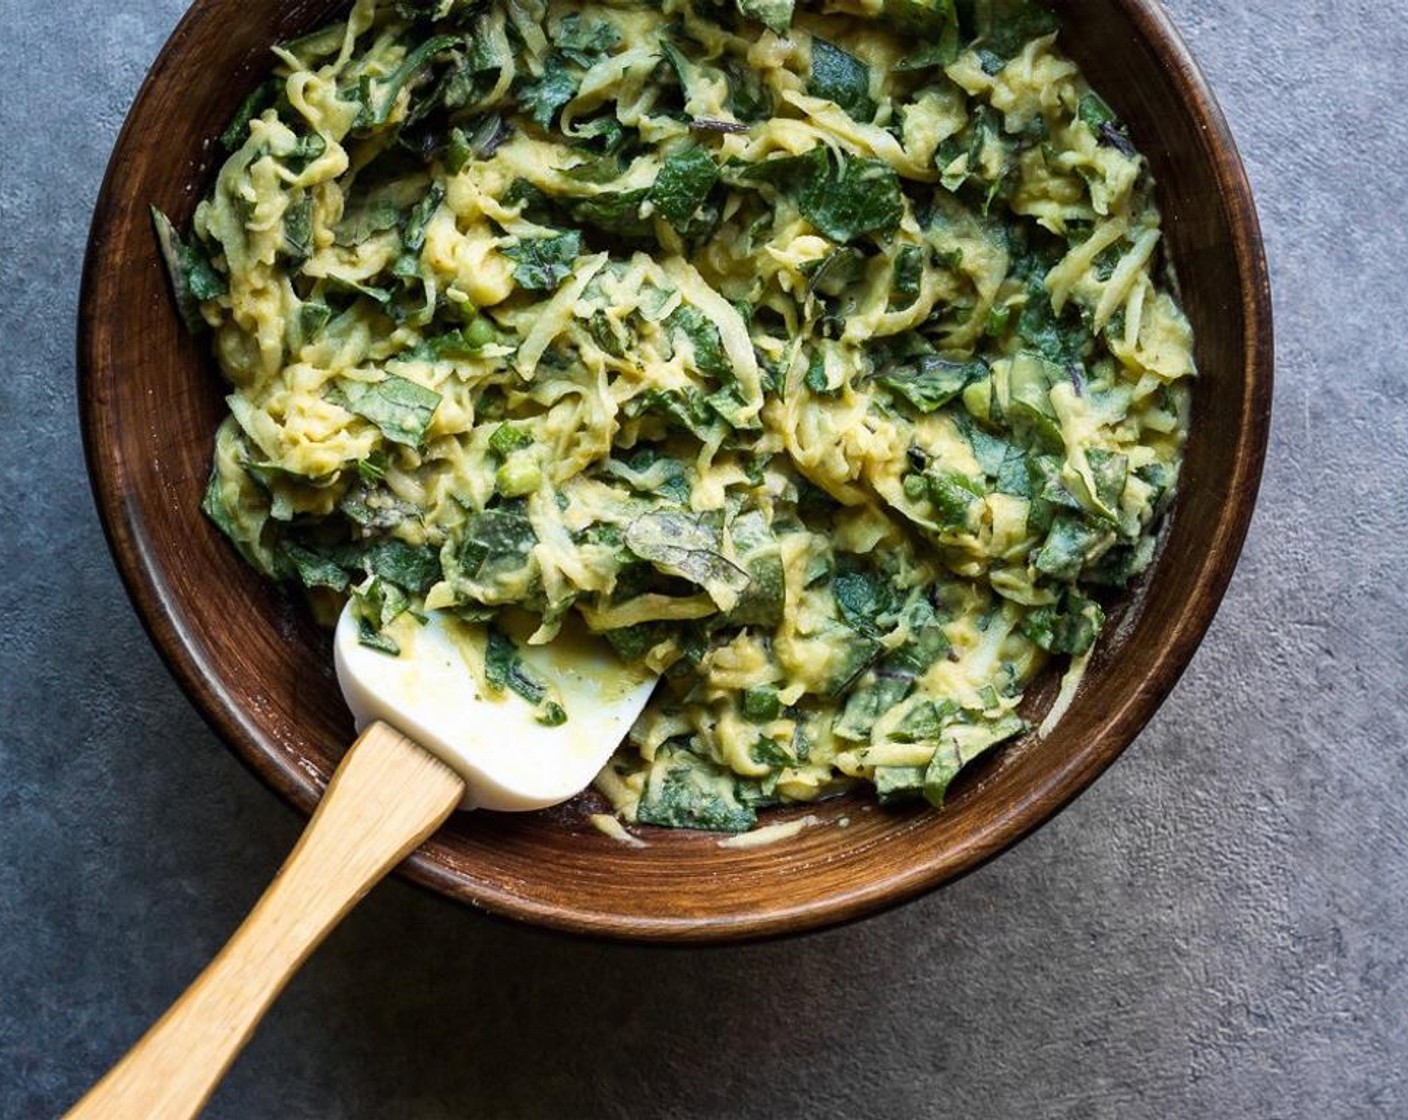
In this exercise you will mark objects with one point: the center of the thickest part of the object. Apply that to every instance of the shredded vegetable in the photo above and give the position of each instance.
(824, 361)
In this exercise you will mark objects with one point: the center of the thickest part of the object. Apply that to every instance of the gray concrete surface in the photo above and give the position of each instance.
(1218, 929)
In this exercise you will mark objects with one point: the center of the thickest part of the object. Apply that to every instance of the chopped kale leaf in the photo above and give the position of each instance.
(504, 668)
(684, 181)
(773, 14)
(681, 544)
(542, 263)
(841, 77)
(584, 41)
(378, 96)
(1014, 23)
(193, 277)
(931, 381)
(399, 407)
(261, 97)
(685, 791)
(543, 96)
(851, 199)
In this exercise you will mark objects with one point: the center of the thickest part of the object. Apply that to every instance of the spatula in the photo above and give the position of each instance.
(432, 738)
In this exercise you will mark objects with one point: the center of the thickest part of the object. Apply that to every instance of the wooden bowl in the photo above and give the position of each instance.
(260, 670)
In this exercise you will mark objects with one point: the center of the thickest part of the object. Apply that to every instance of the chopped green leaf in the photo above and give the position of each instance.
(377, 604)
(260, 98)
(508, 438)
(1070, 628)
(685, 407)
(584, 41)
(369, 636)
(702, 336)
(960, 745)
(849, 200)
(927, 18)
(775, 15)
(761, 704)
(1014, 23)
(957, 500)
(927, 644)
(504, 668)
(896, 785)
(1060, 338)
(372, 468)
(748, 96)
(1094, 111)
(1067, 547)
(1121, 564)
(379, 95)
(213, 505)
(924, 721)
(815, 377)
(931, 381)
(497, 543)
(680, 544)
(862, 598)
(616, 213)
(545, 262)
(841, 77)
(313, 316)
(305, 150)
(478, 142)
(769, 752)
(474, 74)
(909, 276)
(543, 96)
(684, 791)
(367, 213)
(756, 548)
(399, 407)
(298, 230)
(684, 181)
(414, 568)
(1111, 473)
(193, 277)
(597, 169)
(551, 714)
(414, 236)
(991, 62)
(866, 704)
(316, 568)
(631, 643)
(1102, 121)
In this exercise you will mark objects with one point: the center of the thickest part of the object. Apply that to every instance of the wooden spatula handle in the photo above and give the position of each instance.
(387, 796)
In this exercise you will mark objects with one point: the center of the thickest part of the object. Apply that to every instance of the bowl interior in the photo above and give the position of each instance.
(260, 670)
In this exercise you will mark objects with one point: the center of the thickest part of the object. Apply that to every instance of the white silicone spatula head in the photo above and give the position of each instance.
(432, 737)
(493, 739)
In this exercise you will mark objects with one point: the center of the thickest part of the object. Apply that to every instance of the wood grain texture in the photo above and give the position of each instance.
(388, 795)
(260, 671)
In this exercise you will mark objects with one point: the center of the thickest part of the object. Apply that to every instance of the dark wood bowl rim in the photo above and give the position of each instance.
(157, 609)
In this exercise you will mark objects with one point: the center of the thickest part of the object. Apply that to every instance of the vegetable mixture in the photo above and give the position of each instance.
(824, 361)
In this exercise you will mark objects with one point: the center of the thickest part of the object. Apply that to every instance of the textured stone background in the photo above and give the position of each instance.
(1218, 929)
